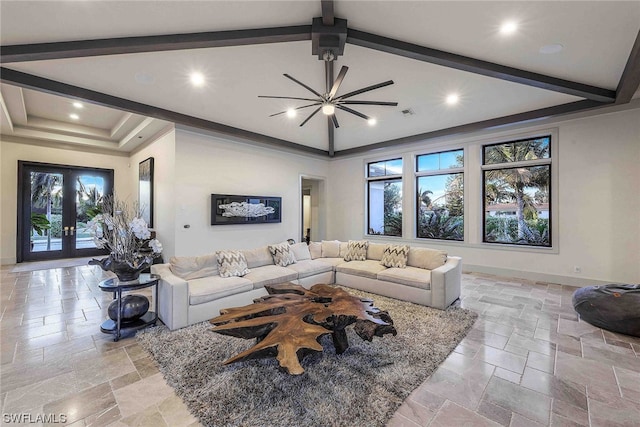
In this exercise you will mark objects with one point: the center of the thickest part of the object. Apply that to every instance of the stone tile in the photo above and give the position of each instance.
(613, 412)
(453, 415)
(541, 362)
(495, 413)
(560, 421)
(487, 338)
(125, 380)
(464, 387)
(532, 344)
(146, 367)
(502, 359)
(590, 373)
(105, 368)
(557, 388)
(508, 375)
(83, 404)
(150, 417)
(415, 412)
(33, 396)
(401, 421)
(526, 402)
(575, 329)
(615, 358)
(136, 397)
(570, 412)
(629, 382)
(176, 413)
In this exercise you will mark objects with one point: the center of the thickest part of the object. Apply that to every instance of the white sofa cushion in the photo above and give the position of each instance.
(409, 276)
(310, 267)
(258, 257)
(369, 268)
(375, 250)
(332, 261)
(212, 288)
(270, 275)
(356, 250)
(301, 251)
(315, 249)
(426, 258)
(194, 267)
(331, 249)
(231, 263)
(395, 256)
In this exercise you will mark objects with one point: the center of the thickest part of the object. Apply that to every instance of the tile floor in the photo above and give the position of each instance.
(528, 361)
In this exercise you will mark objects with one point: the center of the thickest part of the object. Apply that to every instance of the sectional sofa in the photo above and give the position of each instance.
(193, 289)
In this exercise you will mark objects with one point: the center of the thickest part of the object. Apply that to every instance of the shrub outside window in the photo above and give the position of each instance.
(517, 186)
(440, 195)
(385, 197)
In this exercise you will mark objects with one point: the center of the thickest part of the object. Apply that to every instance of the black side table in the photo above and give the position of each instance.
(119, 327)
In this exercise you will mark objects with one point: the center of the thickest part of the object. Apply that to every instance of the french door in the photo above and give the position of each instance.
(55, 202)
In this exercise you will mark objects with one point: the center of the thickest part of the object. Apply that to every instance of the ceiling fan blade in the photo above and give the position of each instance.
(349, 110)
(303, 85)
(365, 89)
(286, 97)
(335, 121)
(311, 115)
(297, 108)
(392, 104)
(338, 82)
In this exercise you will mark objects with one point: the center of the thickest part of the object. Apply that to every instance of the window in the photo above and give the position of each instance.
(516, 185)
(385, 197)
(440, 195)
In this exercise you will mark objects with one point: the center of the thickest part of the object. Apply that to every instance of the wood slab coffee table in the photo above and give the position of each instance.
(289, 322)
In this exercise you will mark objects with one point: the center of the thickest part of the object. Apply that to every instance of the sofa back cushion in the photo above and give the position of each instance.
(356, 250)
(375, 251)
(282, 254)
(231, 263)
(301, 251)
(258, 257)
(330, 249)
(429, 259)
(315, 249)
(344, 247)
(194, 267)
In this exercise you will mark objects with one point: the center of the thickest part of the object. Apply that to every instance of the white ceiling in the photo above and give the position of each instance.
(597, 37)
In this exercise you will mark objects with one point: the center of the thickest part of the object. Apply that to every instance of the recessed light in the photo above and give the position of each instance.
(372, 121)
(551, 48)
(291, 113)
(508, 27)
(74, 116)
(197, 79)
(78, 104)
(452, 99)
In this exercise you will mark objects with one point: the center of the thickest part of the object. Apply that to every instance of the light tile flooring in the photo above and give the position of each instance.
(528, 361)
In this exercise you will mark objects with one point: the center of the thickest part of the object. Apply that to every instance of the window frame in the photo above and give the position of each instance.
(391, 177)
(436, 172)
(548, 161)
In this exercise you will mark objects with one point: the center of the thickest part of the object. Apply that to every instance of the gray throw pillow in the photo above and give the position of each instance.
(356, 250)
(282, 254)
(231, 263)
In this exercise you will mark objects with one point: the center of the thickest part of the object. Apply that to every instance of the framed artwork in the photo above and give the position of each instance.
(236, 209)
(145, 190)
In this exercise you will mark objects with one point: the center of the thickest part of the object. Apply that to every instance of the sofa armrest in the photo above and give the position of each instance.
(173, 297)
(445, 283)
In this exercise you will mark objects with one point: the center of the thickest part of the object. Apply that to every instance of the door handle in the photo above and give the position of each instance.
(66, 231)
(72, 229)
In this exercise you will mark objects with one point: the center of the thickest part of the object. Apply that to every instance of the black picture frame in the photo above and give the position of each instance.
(224, 215)
(145, 190)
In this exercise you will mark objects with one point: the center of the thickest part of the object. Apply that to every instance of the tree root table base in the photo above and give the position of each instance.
(289, 322)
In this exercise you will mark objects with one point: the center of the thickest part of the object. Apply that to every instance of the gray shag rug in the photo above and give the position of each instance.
(364, 386)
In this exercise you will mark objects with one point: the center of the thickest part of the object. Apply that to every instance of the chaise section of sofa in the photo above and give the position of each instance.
(191, 289)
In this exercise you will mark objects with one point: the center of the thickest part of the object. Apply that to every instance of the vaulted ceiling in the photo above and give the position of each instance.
(129, 63)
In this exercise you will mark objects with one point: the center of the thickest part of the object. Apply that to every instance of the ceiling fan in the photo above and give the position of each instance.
(328, 102)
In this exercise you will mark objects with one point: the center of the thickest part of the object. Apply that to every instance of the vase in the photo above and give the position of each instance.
(132, 307)
(121, 269)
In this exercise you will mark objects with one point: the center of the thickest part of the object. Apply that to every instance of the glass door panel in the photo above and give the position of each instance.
(45, 211)
(90, 191)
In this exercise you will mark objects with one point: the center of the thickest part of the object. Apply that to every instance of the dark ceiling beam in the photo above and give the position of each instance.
(630, 80)
(327, 12)
(472, 65)
(556, 110)
(118, 46)
(30, 81)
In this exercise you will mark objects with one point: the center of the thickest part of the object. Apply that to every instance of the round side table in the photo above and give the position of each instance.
(119, 327)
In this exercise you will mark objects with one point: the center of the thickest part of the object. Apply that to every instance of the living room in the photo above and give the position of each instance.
(594, 234)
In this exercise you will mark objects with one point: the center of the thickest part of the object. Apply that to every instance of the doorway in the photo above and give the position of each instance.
(312, 209)
(55, 202)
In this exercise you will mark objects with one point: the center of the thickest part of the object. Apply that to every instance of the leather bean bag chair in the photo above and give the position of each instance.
(612, 307)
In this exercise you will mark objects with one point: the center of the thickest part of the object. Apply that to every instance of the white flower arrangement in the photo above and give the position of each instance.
(122, 231)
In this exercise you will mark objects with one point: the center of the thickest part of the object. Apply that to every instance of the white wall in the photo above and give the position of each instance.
(206, 165)
(598, 206)
(163, 151)
(12, 152)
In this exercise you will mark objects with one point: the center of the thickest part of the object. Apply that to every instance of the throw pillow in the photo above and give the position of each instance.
(356, 250)
(301, 251)
(315, 248)
(189, 268)
(282, 254)
(231, 263)
(395, 256)
(426, 258)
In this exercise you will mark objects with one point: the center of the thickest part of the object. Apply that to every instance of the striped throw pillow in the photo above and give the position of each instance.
(395, 256)
(231, 263)
(356, 250)
(282, 254)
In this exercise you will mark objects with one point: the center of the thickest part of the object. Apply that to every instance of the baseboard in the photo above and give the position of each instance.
(531, 275)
